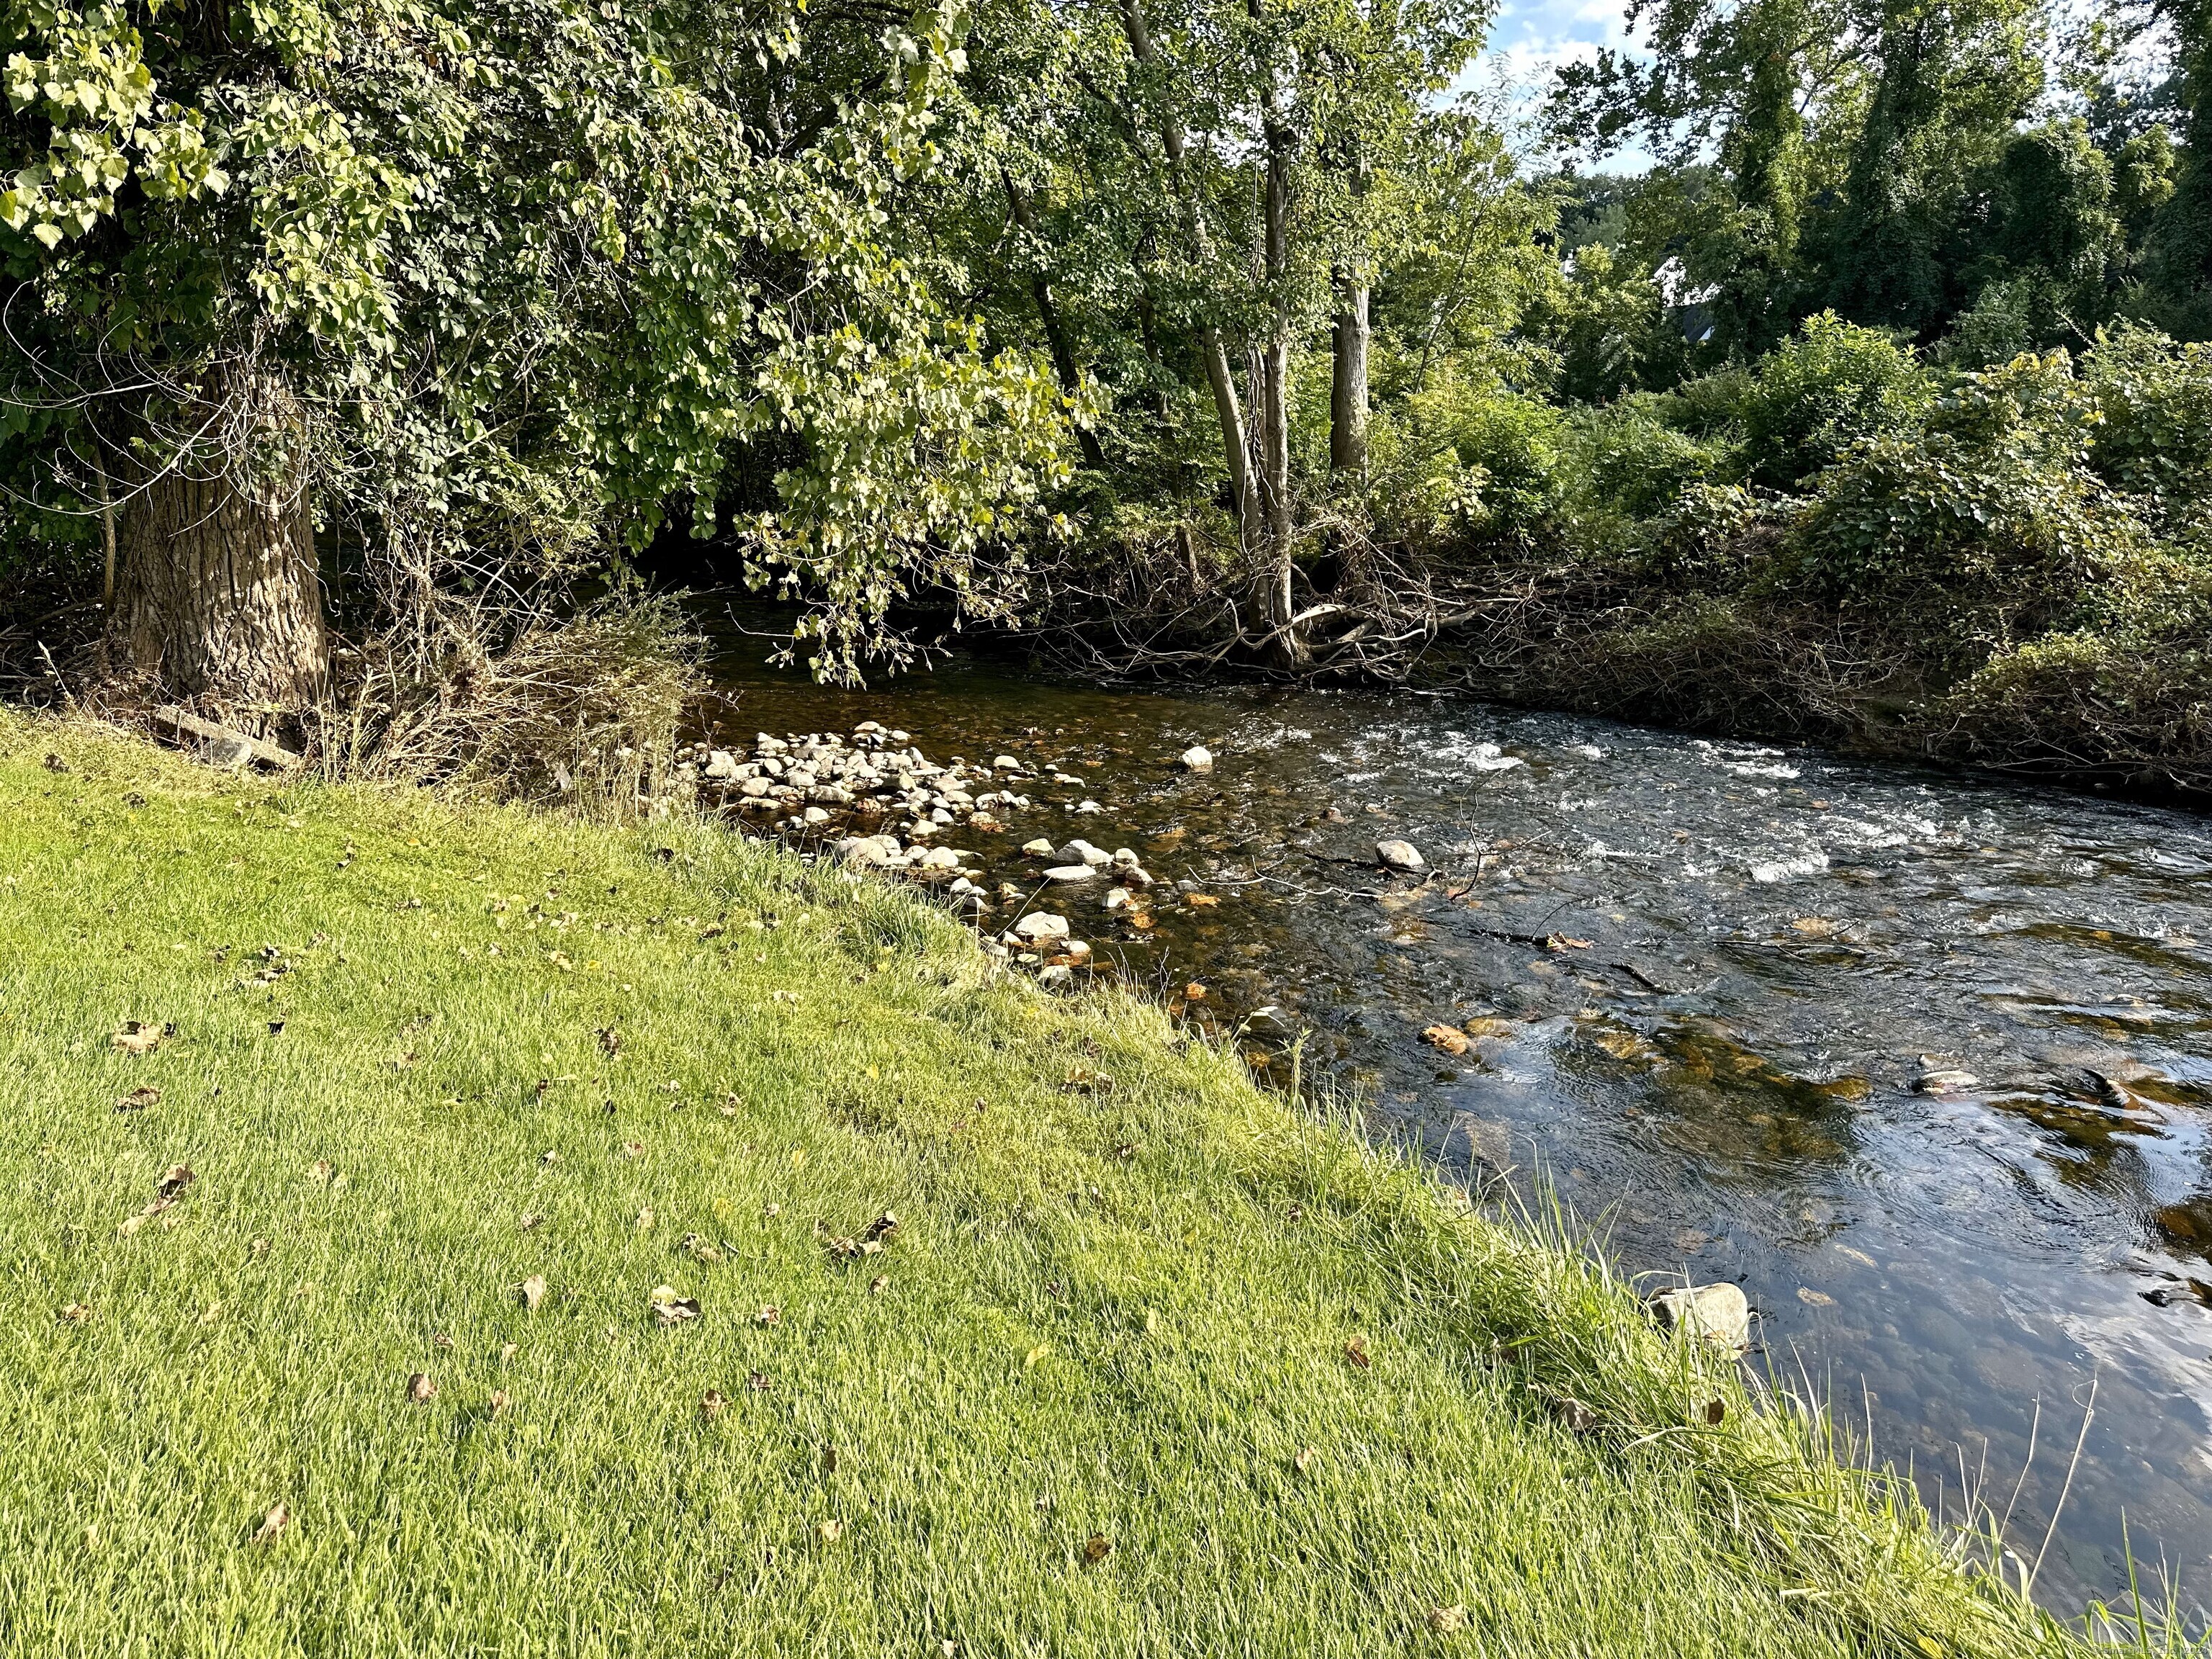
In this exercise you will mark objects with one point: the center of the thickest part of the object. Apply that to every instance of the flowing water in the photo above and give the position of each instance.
(1717, 975)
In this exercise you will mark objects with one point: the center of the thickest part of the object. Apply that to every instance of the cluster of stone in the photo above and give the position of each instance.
(810, 780)
(897, 807)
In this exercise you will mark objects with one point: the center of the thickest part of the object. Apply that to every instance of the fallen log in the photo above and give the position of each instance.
(225, 746)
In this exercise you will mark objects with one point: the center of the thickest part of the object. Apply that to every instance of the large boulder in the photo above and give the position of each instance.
(1198, 758)
(1041, 926)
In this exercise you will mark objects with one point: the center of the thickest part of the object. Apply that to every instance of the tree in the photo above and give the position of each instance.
(400, 282)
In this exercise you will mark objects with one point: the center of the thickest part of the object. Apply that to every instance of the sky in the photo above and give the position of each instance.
(1530, 36)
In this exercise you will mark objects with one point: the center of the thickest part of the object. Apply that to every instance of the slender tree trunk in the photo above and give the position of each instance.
(1063, 359)
(1277, 600)
(1227, 411)
(217, 596)
(1348, 398)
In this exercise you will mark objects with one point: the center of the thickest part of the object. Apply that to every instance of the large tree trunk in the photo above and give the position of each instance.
(217, 596)
(1348, 398)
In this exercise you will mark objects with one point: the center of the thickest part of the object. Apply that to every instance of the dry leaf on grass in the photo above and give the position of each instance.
(1096, 1548)
(532, 1291)
(1304, 1459)
(321, 1172)
(498, 1401)
(136, 1036)
(1450, 1038)
(132, 1223)
(768, 1315)
(274, 1522)
(174, 1180)
(760, 1382)
(139, 1099)
(878, 1285)
(1035, 1354)
(1356, 1352)
(1577, 1418)
(645, 1221)
(421, 1390)
(671, 1306)
(530, 1220)
(77, 1313)
(1445, 1620)
(831, 1531)
(633, 1149)
(1716, 1413)
(712, 1405)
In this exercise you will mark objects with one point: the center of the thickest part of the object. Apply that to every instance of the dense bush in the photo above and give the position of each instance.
(1826, 387)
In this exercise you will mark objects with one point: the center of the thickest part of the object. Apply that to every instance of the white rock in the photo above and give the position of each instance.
(722, 766)
(1718, 1313)
(1040, 925)
(1070, 872)
(1125, 860)
(1118, 899)
(1198, 758)
(1039, 848)
(940, 858)
(1005, 764)
(816, 815)
(1089, 806)
(1079, 851)
(1400, 855)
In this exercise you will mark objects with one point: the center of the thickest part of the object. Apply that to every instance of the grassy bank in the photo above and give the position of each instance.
(1149, 1364)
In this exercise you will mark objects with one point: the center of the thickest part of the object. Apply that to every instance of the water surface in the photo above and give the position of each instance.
(1718, 972)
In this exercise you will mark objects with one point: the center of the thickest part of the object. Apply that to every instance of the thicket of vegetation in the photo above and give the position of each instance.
(1189, 333)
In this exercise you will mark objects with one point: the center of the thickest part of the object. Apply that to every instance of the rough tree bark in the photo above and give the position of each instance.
(1347, 397)
(217, 595)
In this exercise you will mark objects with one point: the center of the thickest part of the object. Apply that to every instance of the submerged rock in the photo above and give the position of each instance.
(1399, 856)
(1070, 872)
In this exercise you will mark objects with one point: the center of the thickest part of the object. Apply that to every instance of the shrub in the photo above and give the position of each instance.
(1475, 458)
(1829, 386)
(1989, 513)
(2155, 440)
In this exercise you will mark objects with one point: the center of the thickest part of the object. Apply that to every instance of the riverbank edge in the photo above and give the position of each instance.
(1559, 1365)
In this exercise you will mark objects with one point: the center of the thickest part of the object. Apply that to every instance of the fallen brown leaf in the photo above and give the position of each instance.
(831, 1531)
(498, 1401)
(530, 1220)
(1096, 1548)
(768, 1315)
(439, 1340)
(1304, 1459)
(1200, 901)
(645, 1221)
(421, 1390)
(633, 1149)
(139, 1099)
(760, 1382)
(1450, 1038)
(508, 1351)
(274, 1522)
(1445, 1620)
(174, 1180)
(1356, 1352)
(712, 1405)
(1716, 1413)
(533, 1290)
(1561, 942)
(878, 1285)
(320, 1172)
(77, 1313)
(671, 1306)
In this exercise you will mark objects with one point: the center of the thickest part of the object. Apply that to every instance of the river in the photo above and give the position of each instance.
(1719, 976)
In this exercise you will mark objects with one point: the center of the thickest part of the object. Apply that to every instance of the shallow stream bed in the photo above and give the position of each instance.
(1712, 979)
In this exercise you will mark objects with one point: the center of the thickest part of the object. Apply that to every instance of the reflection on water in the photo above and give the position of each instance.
(1713, 987)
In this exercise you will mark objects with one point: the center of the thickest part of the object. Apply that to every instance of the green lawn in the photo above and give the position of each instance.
(1151, 1365)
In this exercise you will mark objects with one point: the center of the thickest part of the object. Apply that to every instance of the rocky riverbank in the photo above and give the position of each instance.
(873, 799)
